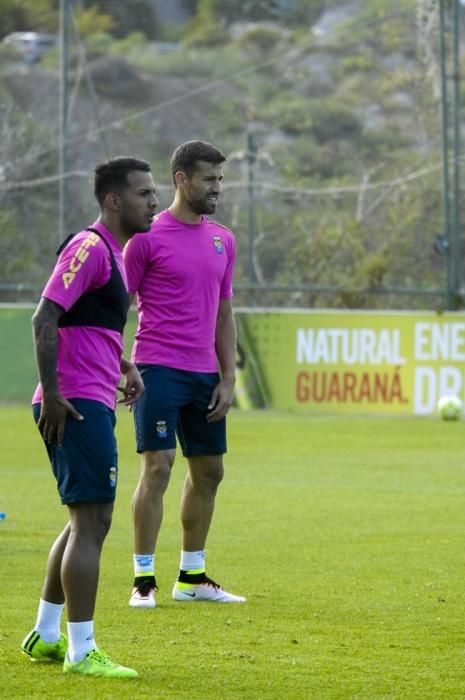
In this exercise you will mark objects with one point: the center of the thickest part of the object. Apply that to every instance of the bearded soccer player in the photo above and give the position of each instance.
(78, 327)
(181, 272)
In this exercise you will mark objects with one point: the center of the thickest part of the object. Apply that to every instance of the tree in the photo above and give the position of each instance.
(27, 15)
(292, 11)
(91, 21)
(130, 16)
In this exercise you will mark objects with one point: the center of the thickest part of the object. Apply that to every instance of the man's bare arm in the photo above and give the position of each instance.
(225, 344)
(55, 409)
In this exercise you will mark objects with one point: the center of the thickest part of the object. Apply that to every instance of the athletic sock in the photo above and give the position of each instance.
(192, 567)
(48, 621)
(144, 565)
(81, 640)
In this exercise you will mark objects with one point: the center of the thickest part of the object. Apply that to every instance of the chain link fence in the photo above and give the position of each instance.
(329, 114)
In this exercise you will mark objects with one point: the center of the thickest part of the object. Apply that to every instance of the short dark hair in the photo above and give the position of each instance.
(112, 175)
(187, 155)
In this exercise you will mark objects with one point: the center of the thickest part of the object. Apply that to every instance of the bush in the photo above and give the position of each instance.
(202, 62)
(332, 121)
(289, 112)
(260, 39)
(207, 34)
(98, 45)
(131, 44)
(114, 77)
(359, 63)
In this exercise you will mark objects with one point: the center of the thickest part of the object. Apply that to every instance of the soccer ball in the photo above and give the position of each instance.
(450, 407)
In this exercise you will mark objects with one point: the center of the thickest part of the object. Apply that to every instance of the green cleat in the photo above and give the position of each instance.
(97, 663)
(34, 646)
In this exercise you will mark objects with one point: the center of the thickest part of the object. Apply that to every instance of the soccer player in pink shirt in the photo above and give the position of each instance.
(185, 348)
(78, 340)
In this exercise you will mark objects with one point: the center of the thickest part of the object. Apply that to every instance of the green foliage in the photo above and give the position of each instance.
(202, 61)
(260, 40)
(232, 10)
(130, 16)
(312, 162)
(8, 53)
(399, 79)
(305, 12)
(90, 21)
(9, 226)
(206, 33)
(299, 162)
(360, 63)
(373, 269)
(333, 121)
(98, 44)
(171, 32)
(116, 78)
(325, 120)
(335, 112)
(229, 117)
(133, 43)
(16, 326)
(290, 112)
(292, 11)
(386, 26)
(385, 141)
(24, 15)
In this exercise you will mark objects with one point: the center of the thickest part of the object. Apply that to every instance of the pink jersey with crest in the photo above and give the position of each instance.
(88, 357)
(180, 272)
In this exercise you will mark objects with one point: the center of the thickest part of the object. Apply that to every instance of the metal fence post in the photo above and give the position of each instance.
(457, 148)
(63, 123)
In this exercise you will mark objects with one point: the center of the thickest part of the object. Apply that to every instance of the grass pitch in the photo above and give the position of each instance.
(346, 535)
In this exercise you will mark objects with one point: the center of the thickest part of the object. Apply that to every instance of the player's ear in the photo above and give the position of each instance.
(180, 178)
(112, 202)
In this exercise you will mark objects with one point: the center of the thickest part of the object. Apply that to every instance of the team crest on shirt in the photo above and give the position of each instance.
(113, 475)
(218, 243)
(161, 429)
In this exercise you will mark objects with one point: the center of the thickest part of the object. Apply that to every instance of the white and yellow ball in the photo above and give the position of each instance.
(450, 407)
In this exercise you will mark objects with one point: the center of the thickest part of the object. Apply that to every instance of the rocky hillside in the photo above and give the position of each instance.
(338, 203)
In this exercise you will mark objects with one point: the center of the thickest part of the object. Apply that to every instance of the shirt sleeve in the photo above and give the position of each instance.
(83, 265)
(226, 291)
(136, 256)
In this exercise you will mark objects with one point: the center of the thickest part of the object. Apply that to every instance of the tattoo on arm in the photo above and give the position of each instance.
(45, 335)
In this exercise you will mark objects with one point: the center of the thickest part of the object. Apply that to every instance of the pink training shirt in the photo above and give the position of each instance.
(88, 357)
(180, 272)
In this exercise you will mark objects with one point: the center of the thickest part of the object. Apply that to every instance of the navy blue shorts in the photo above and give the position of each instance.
(175, 403)
(86, 465)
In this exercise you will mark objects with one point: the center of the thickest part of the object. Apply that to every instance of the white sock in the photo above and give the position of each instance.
(192, 561)
(48, 621)
(80, 640)
(144, 564)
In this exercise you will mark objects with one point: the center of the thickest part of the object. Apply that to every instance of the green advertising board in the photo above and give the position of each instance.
(350, 362)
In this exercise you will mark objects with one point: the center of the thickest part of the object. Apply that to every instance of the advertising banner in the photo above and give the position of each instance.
(350, 362)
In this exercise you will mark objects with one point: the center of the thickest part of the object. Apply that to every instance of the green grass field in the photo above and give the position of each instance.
(346, 535)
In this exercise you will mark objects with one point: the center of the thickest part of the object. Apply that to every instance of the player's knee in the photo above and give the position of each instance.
(156, 469)
(105, 522)
(209, 478)
(217, 474)
(102, 522)
(92, 522)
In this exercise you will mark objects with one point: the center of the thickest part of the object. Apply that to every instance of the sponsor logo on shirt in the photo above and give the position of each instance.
(79, 258)
(218, 243)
